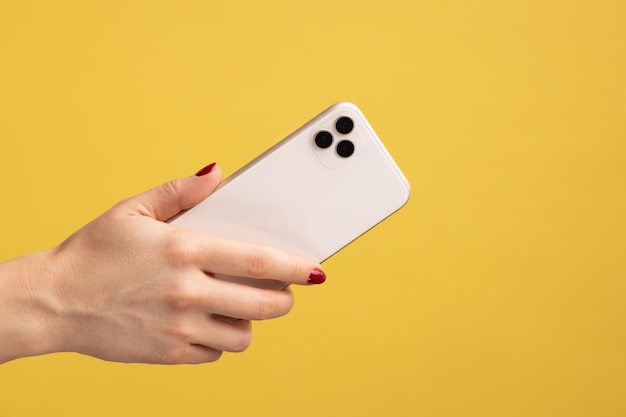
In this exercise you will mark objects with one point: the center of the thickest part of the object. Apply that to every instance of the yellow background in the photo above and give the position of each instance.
(499, 290)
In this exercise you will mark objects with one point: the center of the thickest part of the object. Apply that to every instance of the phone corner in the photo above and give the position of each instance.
(345, 104)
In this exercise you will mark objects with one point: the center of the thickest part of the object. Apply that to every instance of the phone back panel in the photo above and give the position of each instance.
(303, 199)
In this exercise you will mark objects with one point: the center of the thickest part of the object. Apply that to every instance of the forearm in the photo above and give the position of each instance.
(30, 322)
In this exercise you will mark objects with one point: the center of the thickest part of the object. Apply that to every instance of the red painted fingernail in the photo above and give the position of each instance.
(317, 276)
(205, 170)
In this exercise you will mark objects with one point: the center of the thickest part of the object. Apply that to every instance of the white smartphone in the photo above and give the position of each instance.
(311, 194)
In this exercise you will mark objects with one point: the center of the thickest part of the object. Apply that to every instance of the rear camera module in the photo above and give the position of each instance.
(345, 148)
(344, 125)
(323, 139)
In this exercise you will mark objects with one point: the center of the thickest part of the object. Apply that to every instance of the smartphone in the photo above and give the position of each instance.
(311, 194)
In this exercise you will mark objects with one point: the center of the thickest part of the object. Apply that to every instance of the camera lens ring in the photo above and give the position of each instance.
(345, 148)
(344, 125)
(323, 139)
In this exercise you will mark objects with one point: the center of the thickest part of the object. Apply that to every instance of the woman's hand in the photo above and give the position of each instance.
(130, 288)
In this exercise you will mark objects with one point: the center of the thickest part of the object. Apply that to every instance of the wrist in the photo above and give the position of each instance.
(30, 313)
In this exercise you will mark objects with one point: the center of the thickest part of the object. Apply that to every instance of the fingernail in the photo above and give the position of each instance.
(205, 170)
(317, 276)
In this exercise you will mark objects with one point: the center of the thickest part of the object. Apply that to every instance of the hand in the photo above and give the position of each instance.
(130, 288)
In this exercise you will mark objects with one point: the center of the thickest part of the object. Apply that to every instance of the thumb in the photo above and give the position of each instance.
(169, 199)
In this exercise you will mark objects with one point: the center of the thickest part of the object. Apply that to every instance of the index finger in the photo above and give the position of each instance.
(223, 256)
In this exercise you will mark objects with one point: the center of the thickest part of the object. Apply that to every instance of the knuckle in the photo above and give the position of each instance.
(243, 343)
(171, 188)
(179, 248)
(179, 332)
(171, 355)
(182, 296)
(296, 271)
(267, 306)
(258, 263)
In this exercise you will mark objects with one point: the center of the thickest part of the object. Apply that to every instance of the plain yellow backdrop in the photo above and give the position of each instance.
(499, 290)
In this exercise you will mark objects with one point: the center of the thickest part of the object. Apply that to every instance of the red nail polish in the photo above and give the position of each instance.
(205, 170)
(317, 276)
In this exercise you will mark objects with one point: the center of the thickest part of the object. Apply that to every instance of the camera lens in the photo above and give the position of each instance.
(344, 125)
(323, 139)
(345, 148)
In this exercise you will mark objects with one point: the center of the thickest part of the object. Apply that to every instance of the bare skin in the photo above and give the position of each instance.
(128, 287)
